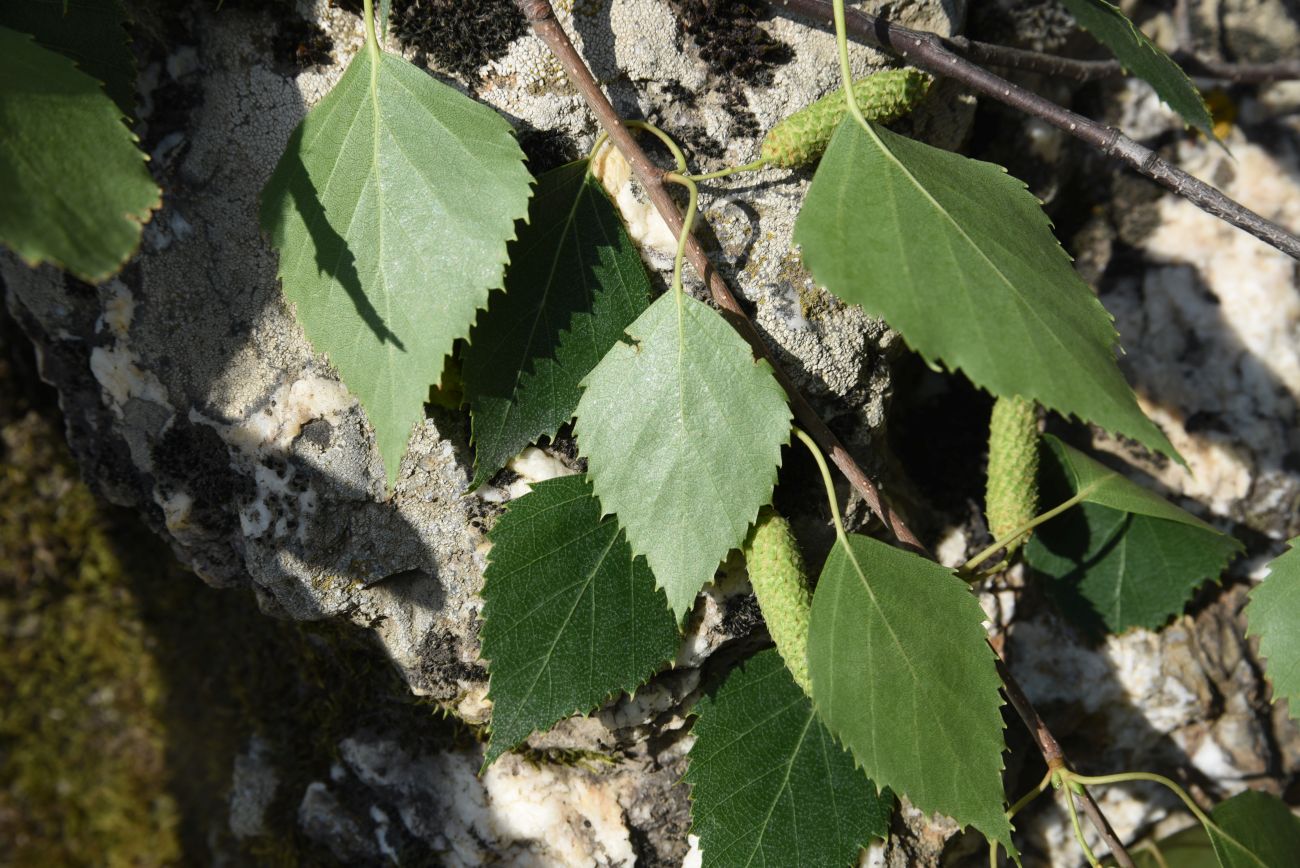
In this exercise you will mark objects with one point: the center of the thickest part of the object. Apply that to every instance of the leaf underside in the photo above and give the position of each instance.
(391, 208)
(683, 432)
(769, 786)
(1125, 557)
(1144, 59)
(1273, 614)
(74, 189)
(574, 284)
(904, 677)
(569, 617)
(959, 257)
(91, 33)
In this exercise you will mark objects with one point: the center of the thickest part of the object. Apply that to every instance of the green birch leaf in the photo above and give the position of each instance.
(90, 32)
(575, 283)
(903, 675)
(74, 189)
(683, 430)
(391, 209)
(959, 257)
(1255, 830)
(1144, 59)
(1190, 848)
(570, 617)
(1273, 614)
(769, 786)
(1101, 485)
(1125, 557)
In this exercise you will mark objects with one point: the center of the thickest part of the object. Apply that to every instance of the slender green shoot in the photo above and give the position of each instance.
(1078, 828)
(756, 166)
(826, 480)
(688, 221)
(1025, 528)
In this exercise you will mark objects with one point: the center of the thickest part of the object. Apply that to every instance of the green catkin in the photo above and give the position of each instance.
(776, 570)
(883, 97)
(1011, 494)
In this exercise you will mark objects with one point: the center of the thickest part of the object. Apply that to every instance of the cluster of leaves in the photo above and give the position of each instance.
(400, 205)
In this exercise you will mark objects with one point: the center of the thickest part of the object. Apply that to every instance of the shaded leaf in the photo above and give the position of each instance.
(575, 283)
(769, 786)
(1125, 557)
(903, 676)
(391, 209)
(1144, 59)
(74, 189)
(1273, 614)
(1190, 848)
(683, 431)
(959, 257)
(570, 617)
(1107, 487)
(90, 32)
(1255, 830)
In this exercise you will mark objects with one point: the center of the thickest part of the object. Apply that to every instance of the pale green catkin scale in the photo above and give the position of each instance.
(1011, 495)
(882, 96)
(780, 581)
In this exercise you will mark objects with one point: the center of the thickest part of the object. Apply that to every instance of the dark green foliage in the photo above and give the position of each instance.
(569, 615)
(91, 33)
(574, 284)
(769, 786)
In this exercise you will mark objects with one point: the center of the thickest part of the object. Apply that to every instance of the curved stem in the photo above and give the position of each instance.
(672, 146)
(688, 221)
(846, 69)
(1031, 795)
(826, 480)
(1127, 777)
(755, 166)
(1021, 531)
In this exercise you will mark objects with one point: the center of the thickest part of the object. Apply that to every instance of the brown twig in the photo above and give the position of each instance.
(540, 15)
(542, 18)
(1005, 57)
(1055, 758)
(927, 51)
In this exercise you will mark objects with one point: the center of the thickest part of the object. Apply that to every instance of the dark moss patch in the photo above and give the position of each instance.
(458, 36)
(730, 40)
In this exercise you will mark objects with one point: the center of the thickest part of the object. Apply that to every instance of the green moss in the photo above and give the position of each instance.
(128, 687)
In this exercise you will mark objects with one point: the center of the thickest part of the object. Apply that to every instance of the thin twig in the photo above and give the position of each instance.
(1050, 748)
(542, 19)
(1075, 69)
(927, 51)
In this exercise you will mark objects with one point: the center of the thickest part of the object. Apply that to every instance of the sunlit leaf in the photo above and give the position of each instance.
(960, 258)
(903, 675)
(1273, 614)
(391, 209)
(682, 430)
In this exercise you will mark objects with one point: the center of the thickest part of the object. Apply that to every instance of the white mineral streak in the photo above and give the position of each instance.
(1215, 331)
(117, 368)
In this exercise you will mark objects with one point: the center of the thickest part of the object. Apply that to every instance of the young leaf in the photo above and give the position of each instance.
(74, 189)
(768, 784)
(391, 209)
(958, 256)
(89, 32)
(1255, 830)
(1125, 557)
(575, 283)
(1273, 614)
(903, 675)
(682, 430)
(1144, 59)
(569, 615)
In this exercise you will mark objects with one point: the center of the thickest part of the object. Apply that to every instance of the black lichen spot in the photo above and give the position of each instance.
(459, 36)
(196, 459)
(730, 40)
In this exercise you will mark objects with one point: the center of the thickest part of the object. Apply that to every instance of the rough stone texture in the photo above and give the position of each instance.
(191, 395)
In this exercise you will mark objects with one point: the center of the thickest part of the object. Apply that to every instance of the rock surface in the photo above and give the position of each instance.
(191, 395)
